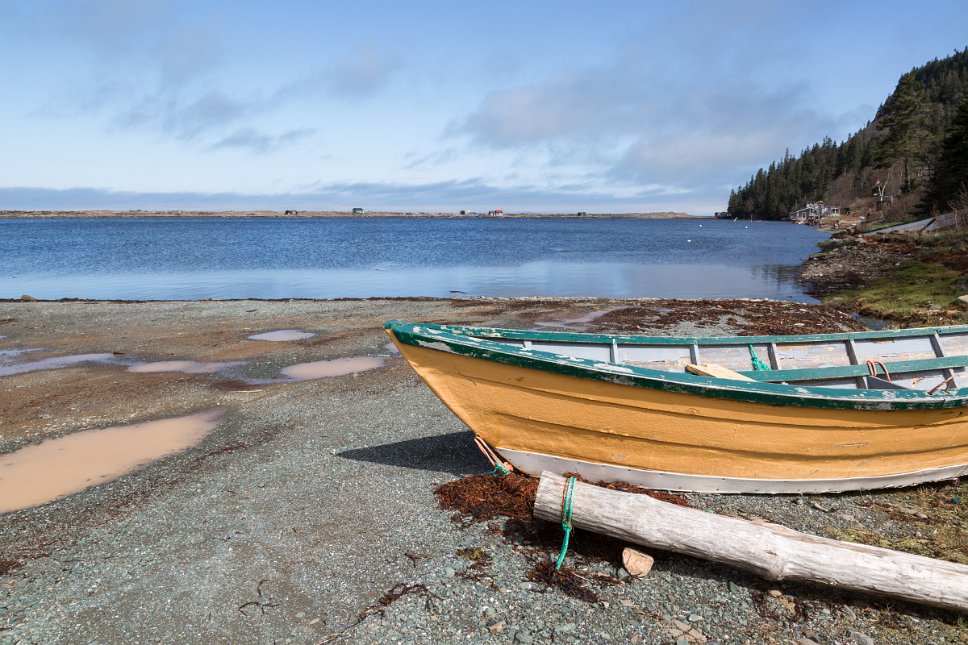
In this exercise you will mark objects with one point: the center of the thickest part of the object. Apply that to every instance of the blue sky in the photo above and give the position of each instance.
(438, 106)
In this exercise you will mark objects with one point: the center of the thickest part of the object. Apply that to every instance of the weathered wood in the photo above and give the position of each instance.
(716, 371)
(768, 550)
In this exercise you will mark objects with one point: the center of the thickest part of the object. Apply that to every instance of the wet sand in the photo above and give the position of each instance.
(312, 499)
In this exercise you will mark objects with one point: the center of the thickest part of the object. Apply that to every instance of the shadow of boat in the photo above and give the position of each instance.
(453, 453)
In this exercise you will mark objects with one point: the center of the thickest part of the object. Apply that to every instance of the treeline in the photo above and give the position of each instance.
(916, 146)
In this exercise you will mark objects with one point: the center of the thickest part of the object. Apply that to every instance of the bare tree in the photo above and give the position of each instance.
(959, 204)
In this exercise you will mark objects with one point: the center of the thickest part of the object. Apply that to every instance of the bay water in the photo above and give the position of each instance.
(199, 258)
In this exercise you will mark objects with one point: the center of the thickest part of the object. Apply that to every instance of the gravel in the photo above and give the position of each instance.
(323, 526)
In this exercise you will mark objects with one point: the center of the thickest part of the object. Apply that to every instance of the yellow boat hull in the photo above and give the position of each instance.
(539, 419)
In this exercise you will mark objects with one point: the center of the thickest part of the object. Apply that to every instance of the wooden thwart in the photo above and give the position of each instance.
(768, 550)
(716, 371)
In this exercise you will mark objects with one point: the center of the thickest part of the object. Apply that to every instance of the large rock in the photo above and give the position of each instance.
(638, 564)
(963, 300)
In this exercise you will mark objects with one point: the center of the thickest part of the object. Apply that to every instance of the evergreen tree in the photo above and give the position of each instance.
(903, 119)
(920, 127)
(950, 176)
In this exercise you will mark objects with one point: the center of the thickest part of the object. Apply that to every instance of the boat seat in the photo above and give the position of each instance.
(847, 371)
(716, 371)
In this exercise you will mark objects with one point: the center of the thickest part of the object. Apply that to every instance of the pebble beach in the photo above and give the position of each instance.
(308, 514)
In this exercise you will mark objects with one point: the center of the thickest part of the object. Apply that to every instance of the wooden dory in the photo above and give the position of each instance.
(833, 412)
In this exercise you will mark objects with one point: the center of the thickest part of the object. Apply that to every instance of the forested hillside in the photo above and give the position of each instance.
(912, 159)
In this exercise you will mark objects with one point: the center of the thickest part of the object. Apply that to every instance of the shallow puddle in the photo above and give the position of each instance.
(58, 467)
(282, 335)
(54, 363)
(337, 367)
(187, 367)
(11, 355)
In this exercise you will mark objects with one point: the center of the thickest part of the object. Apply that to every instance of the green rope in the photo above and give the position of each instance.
(758, 365)
(498, 468)
(566, 519)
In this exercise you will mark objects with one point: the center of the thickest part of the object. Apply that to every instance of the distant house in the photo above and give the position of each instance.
(358, 211)
(582, 213)
(814, 212)
(496, 212)
(721, 215)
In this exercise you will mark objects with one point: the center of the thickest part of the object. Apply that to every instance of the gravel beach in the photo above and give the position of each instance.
(308, 514)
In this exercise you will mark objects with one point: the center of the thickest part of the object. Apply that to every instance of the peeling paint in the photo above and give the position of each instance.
(482, 343)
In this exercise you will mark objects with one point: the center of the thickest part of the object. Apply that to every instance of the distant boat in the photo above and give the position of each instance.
(825, 412)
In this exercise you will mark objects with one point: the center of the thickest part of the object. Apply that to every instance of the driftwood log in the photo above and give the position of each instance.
(768, 550)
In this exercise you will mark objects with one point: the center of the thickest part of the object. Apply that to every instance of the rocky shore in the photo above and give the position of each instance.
(904, 280)
(309, 515)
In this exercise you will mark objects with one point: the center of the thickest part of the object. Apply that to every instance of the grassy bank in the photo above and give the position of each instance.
(906, 280)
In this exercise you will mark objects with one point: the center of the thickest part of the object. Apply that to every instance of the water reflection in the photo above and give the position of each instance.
(282, 335)
(177, 259)
(608, 280)
(57, 362)
(186, 367)
(336, 367)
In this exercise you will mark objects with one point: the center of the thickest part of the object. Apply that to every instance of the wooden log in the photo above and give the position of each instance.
(768, 550)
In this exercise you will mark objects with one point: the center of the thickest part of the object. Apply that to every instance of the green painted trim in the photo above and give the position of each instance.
(576, 337)
(845, 371)
(443, 339)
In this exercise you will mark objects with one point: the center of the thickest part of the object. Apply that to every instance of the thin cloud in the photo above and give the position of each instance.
(641, 121)
(362, 72)
(187, 119)
(445, 196)
(257, 141)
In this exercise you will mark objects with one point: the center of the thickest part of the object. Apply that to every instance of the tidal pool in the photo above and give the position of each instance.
(188, 367)
(53, 363)
(59, 467)
(282, 335)
(336, 367)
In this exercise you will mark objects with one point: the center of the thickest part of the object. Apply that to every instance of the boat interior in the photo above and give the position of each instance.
(931, 360)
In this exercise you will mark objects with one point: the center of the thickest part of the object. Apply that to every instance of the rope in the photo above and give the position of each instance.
(566, 504)
(948, 382)
(500, 467)
(872, 368)
(758, 365)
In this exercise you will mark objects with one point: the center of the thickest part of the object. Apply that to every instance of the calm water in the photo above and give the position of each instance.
(328, 258)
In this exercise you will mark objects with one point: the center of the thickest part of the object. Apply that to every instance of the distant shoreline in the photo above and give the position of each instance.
(132, 214)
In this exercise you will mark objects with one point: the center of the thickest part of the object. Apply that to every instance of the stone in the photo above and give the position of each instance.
(963, 300)
(694, 618)
(566, 628)
(860, 638)
(449, 572)
(495, 626)
(684, 633)
(734, 588)
(523, 637)
(638, 564)
(775, 593)
(934, 307)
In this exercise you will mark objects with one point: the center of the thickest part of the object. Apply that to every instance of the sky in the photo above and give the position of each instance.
(554, 107)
